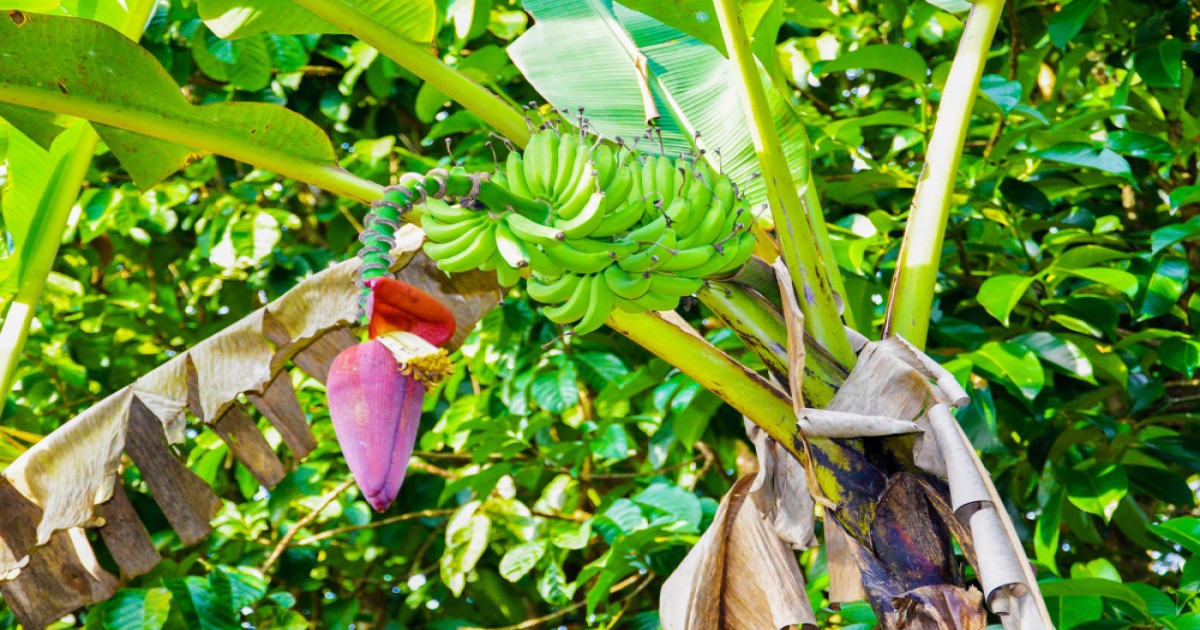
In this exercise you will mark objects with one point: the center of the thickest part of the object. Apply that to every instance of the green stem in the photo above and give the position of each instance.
(418, 60)
(54, 208)
(797, 242)
(746, 391)
(330, 177)
(841, 473)
(761, 327)
(917, 267)
(812, 209)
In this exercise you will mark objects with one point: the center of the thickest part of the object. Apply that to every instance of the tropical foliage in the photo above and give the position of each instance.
(563, 478)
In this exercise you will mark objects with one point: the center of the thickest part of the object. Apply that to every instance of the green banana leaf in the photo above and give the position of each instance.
(83, 68)
(698, 18)
(587, 54)
(414, 20)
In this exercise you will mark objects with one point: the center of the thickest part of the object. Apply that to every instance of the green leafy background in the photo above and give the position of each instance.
(568, 477)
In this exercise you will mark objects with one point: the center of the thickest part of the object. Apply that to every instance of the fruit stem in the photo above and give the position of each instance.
(798, 243)
(911, 297)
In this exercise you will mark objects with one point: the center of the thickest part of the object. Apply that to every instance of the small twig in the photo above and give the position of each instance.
(433, 470)
(302, 523)
(387, 521)
(640, 587)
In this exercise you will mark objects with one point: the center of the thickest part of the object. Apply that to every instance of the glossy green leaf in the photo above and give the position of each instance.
(141, 96)
(1165, 287)
(1184, 530)
(520, 560)
(1000, 294)
(1184, 195)
(467, 535)
(1048, 531)
(138, 609)
(1160, 64)
(1004, 93)
(1094, 587)
(1060, 353)
(1082, 154)
(201, 607)
(1122, 281)
(676, 505)
(1181, 355)
(1140, 145)
(1025, 195)
(1096, 489)
(893, 58)
(1169, 235)
(698, 18)
(1014, 364)
(414, 20)
(1066, 23)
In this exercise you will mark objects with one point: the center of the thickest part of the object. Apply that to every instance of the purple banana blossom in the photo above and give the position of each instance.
(376, 389)
(376, 411)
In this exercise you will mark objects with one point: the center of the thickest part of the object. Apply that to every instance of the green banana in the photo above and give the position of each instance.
(515, 168)
(555, 290)
(577, 260)
(447, 213)
(653, 256)
(630, 286)
(618, 189)
(606, 165)
(623, 218)
(648, 233)
(708, 230)
(657, 302)
(564, 172)
(511, 249)
(665, 178)
(585, 186)
(587, 220)
(679, 214)
(466, 252)
(664, 284)
(600, 304)
(540, 160)
(531, 231)
(691, 258)
(576, 306)
(540, 263)
(614, 249)
(505, 274)
(724, 192)
(439, 232)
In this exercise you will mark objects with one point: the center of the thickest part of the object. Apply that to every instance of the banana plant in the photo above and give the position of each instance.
(624, 185)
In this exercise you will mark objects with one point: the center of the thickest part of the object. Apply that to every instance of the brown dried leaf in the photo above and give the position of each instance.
(73, 468)
(780, 491)
(740, 575)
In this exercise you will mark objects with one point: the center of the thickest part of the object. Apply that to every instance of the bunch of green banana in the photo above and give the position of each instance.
(619, 233)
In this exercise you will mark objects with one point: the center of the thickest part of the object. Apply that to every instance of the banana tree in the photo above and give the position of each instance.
(867, 424)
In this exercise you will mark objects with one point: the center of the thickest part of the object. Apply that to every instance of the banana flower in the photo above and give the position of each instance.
(376, 388)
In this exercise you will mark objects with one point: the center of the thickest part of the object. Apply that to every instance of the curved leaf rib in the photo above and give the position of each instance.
(85, 69)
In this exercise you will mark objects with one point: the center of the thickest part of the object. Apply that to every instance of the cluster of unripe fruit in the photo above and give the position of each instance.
(607, 228)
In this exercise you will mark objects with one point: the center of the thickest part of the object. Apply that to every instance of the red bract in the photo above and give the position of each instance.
(376, 389)
(396, 306)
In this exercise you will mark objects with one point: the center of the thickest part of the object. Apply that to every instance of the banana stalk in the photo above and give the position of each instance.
(911, 297)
